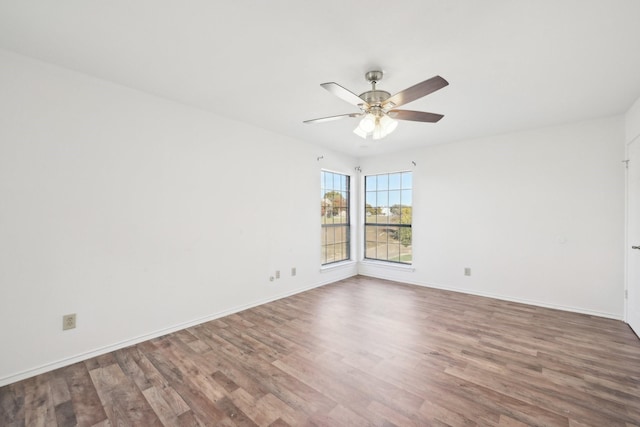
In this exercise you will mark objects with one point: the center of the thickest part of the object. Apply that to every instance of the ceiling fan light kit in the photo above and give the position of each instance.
(377, 126)
(378, 114)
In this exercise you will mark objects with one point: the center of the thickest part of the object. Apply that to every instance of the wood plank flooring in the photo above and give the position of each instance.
(358, 352)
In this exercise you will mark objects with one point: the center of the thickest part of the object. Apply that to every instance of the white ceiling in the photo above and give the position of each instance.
(511, 65)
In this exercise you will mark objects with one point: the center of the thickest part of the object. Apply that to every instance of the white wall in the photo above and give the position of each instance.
(140, 215)
(538, 216)
(144, 216)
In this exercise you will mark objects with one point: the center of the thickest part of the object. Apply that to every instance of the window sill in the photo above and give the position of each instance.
(337, 265)
(388, 265)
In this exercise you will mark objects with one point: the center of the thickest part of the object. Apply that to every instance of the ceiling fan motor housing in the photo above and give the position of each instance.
(374, 97)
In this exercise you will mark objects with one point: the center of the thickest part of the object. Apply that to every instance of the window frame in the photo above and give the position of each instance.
(401, 224)
(345, 223)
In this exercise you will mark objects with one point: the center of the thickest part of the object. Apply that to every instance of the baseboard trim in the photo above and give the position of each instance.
(498, 296)
(136, 340)
(129, 342)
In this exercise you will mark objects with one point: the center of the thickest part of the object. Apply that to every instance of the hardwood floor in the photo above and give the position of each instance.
(358, 352)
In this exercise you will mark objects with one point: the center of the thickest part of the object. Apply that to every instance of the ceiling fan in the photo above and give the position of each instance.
(377, 107)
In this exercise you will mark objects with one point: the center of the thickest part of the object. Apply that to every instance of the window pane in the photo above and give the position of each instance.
(392, 234)
(371, 250)
(383, 196)
(407, 180)
(370, 206)
(405, 217)
(405, 234)
(370, 198)
(370, 219)
(381, 249)
(394, 251)
(330, 254)
(394, 198)
(370, 183)
(382, 181)
(337, 251)
(370, 233)
(383, 216)
(394, 181)
(405, 198)
(406, 254)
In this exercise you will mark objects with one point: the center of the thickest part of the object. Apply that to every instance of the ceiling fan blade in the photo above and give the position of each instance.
(344, 94)
(415, 116)
(417, 91)
(331, 118)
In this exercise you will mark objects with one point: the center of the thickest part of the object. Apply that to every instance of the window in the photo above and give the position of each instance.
(387, 221)
(335, 213)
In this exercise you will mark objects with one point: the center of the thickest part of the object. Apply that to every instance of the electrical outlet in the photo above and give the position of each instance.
(68, 321)
(277, 274)
(467, 271)
(293, 271)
